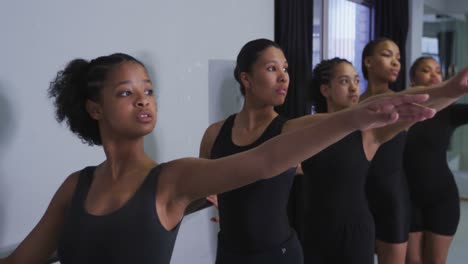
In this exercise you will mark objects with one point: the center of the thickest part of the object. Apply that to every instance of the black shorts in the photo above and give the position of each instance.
(347, 243)
(390, 204)
(289, 252)
(441, 217)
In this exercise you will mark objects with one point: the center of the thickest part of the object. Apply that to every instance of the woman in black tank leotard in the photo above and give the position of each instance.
(254, 223)
(435, 211)
(387, 187)
(128, 208)
(339, 227)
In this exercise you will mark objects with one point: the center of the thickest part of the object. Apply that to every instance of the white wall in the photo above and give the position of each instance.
(174, 38)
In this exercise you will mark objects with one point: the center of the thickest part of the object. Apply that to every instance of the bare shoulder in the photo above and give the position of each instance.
(65, 192)
(213, 130)
(209, 137)
(71, 181)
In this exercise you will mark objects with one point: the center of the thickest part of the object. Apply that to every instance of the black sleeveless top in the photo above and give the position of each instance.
(131, 234)
(429, 175)
(254, 217)
(335, 181)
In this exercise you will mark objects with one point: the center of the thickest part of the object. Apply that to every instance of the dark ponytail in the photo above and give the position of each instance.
(248, 55)
(322, 74)
(80, 81)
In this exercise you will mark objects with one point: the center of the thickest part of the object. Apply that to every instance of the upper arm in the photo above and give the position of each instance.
(195, 178)
(42, 241)
(185, 180)
(439, 95)
(386, 133)
(205, 152)
(175, 186)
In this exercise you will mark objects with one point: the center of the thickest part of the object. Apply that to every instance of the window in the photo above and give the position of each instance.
(430, 47)
(344, 31)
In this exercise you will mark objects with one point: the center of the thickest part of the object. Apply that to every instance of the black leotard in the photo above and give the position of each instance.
(433, 189)
(253, 218)
(387, 190)
(338, 223)
(132, 234)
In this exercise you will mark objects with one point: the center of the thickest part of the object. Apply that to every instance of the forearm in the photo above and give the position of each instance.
(288, 149)
(440, 96)
(384, 134)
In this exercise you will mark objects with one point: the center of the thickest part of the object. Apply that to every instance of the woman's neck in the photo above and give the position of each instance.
(250, 117)
(125, 157)
(376, 86)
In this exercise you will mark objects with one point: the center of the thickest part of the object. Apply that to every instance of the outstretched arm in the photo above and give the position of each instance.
(193, 178)
(39, 245)
(205, 152)
(440, 96)
(445, 93)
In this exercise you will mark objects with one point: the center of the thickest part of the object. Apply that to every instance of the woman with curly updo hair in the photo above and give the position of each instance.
(128, 208)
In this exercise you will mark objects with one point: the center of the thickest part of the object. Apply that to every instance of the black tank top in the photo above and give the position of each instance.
(426, 152)
(254, 217)
(335, 180)
(131, 234)
(386, 168)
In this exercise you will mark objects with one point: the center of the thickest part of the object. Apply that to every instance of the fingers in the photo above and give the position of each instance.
(388, 118)
(406, 103)
(414, 112)
(400, 99)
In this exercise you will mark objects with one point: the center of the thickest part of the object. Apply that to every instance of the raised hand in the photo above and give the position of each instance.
(383, 110)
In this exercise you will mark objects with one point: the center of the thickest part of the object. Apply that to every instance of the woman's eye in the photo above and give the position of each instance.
(125, 93)
(357, 81)
(344, 81)
(149, 92)
(271, 68)
(286, 69)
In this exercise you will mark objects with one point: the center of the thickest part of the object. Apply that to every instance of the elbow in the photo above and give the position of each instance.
(268, 169)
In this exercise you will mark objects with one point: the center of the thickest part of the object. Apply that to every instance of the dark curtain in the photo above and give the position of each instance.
(446, 48)
(391, 21)
(293, 32)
